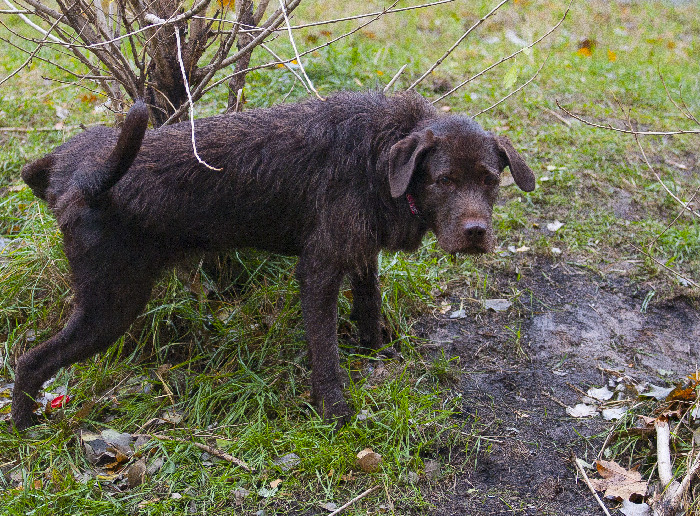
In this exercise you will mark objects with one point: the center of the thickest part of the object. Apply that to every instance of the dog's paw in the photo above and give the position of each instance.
(340, 413)
(332, 406)
(22, 422)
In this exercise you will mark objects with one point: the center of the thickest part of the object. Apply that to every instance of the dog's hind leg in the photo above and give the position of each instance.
(105, 307)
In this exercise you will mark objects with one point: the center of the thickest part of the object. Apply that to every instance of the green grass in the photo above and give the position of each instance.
(233, 362)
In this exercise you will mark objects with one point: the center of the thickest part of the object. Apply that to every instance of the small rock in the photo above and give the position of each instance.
(497, 305)
(136, 473)
(368, 460)
(239, 494)
(287, 462)
(432, 470)
(154, 466)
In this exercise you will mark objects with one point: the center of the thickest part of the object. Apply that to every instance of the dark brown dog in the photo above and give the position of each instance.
(333, 182)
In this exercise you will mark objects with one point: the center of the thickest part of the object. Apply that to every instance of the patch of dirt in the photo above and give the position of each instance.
(519, 368)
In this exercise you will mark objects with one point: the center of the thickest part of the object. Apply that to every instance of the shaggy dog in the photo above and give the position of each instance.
(333, 182)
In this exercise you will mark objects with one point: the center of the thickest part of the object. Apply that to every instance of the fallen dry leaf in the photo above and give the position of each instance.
(684, 392)
(275, 483)
(635, 509)
(617, 482)
(657, 392)
(369, 460)
(582, 410)
(554, 226)
(136, 473)
(602, 394)
(614, 413)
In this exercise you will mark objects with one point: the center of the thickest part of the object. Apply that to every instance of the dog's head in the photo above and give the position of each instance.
(449, 173)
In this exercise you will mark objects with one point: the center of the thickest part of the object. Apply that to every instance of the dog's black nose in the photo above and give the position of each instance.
(475, 229)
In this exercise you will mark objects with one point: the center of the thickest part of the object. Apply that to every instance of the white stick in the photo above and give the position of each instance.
(296, 52)
(189, 96)
(32, 24)
(590, 486)
(358, 497)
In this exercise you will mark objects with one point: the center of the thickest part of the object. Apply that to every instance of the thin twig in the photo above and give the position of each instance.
(393, 79)
(671, 224)
(456, 44)
(516, 90)
(683, 109)
(685, 483)
(286, 65)
(511, 56)
(557, 116)
(349, 18)
(209, 449)
(625, 131)
(686, 206)
(657, 262)
(37, 129)
(580, 469)
(275, 63)
(358, 497)
(189, 97)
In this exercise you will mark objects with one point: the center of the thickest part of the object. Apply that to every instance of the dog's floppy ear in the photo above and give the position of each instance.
(521, 173)
(404, 157)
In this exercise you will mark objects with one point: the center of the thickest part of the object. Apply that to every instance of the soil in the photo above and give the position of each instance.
(566, 332)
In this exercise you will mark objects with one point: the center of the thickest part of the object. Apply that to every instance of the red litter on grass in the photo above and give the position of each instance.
(60, 401)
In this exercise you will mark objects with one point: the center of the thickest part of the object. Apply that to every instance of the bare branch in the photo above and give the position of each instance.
(456, 44)
(394, 78)
(515, 90)
(625, 131)
(511, 56)
(587, 481)
(286, 64)
(32, 24)
(309, 51)
(348, 18)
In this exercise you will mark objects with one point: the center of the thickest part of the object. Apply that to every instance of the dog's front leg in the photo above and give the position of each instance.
(320, 280)
(367, 306)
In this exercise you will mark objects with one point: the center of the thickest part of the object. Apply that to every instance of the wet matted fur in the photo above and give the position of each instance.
(333, 182)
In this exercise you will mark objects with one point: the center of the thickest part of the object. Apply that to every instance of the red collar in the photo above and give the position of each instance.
(412, 204)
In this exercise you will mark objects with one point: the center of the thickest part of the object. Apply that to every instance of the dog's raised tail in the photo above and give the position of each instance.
(94, 182)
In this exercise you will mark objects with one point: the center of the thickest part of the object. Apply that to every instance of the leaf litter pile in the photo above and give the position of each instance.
(659, 430)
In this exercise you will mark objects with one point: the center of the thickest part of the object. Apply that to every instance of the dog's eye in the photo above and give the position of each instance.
(444, 180)
(491, 180)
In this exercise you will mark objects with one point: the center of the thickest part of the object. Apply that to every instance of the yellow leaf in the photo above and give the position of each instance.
(228, 3)
(584, 51)
(612, 56)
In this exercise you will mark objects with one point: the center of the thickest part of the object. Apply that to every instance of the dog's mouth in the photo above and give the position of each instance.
(482, 246)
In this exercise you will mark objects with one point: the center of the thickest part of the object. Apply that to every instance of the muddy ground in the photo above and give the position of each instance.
(573, 326)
